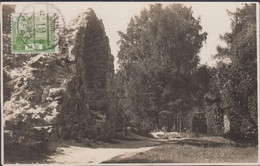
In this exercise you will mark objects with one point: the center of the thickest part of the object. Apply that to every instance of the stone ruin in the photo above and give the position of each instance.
(206, 117)
(85, 104)
(61, 95)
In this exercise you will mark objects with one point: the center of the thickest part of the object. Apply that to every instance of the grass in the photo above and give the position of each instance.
(189, 151)
(197, 149)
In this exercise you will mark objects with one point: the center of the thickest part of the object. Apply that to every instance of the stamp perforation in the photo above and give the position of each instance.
(51, 50)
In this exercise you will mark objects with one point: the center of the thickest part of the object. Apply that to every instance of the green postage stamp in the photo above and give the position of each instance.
(33, 33)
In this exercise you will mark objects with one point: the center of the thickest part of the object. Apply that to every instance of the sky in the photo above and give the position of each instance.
(116, 16)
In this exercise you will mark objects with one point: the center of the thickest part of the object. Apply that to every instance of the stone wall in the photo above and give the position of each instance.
(215, 122)
(36, 94)
(30, 80)
(213, 114)
(187, 118)
(61, 95)
(86, 106)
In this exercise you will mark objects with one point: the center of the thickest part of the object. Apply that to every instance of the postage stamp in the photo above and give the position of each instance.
(35, 34)
(35, 31)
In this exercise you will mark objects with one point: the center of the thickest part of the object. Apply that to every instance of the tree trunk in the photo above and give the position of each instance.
(180, 120)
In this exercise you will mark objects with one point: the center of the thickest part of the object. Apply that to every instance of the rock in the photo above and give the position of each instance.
(19, 83)
(48, 98)
(87, 92)
(61, 89)
(71, 58)
(36, 64)
(55, 92)
(58, 98)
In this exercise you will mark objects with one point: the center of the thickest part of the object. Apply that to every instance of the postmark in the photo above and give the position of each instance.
(37, 29)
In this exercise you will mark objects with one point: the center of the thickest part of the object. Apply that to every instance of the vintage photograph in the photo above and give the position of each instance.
(89, 83)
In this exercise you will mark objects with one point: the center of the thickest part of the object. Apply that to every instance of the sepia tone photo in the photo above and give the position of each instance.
(89, 83)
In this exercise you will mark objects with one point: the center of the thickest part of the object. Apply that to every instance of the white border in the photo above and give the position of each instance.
(138, 164)
(258, 90)
(258, 73)
(2, 96)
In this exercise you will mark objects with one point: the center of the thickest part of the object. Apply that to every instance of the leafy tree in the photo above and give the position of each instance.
(238, 79)
(201, 82)
(158, 54)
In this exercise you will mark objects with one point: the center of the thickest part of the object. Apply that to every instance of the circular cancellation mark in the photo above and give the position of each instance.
(39, 26)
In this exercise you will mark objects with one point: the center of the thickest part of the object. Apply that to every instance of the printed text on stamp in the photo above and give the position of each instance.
(35, 29)
(33, 33)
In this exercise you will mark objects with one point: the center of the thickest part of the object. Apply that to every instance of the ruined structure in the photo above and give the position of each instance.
(60, 95)
(86, 105)
(207, 117)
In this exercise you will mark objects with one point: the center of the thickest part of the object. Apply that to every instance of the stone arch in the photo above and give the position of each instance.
(199, 123)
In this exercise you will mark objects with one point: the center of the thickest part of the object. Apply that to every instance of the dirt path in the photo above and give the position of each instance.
(71, 153)
(123, 148)
(81, 155)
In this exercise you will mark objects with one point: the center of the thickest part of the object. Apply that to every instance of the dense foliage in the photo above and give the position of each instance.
(237, 80)
(158, 56)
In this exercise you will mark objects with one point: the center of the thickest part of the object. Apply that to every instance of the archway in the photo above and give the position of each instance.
(199, 124)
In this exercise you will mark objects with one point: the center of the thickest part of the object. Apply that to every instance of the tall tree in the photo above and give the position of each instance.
(158, 54)
(238, 79)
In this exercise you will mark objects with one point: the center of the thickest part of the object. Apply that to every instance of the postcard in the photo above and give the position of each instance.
(136, 83)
